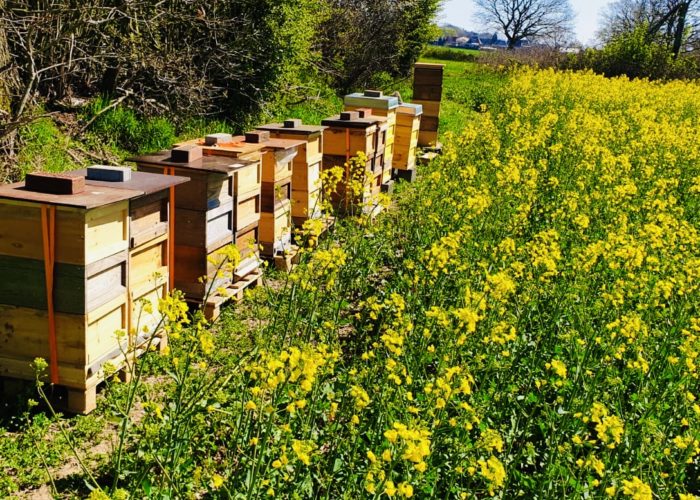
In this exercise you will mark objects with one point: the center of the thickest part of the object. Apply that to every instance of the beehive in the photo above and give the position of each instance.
(427, 91)
(380, 105)
(408, 119)
(222, 197)
(64, 284)
(381, 170)
(227, 145)
(348, 134)
(150, 238)
(306, 168)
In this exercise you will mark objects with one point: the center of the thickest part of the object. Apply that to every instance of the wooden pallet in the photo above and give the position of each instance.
(233, 293)
(83, 401)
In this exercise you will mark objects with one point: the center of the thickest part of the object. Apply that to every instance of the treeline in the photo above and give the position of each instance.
(225, 59)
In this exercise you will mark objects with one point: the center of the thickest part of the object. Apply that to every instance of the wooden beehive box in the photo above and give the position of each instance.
(89, 247)
(347, 134)
(150, 242)
(408, 119)
(222, 197)
(427, 91)
(275, 230)
(380, 105)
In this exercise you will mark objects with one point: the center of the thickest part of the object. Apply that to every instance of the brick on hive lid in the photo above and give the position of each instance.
(257, 136)
(218, 138)
(374, 93)
(364, 112)
(349, 115)
(293, 123)
(186, 154)
(43, 182)
(108, 173)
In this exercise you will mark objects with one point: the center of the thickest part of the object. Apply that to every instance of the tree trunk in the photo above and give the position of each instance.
(680, 29)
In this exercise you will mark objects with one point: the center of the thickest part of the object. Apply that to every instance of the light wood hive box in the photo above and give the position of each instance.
(221, 198)
(150, 241)
(306, 170)
(95, 234)
(407, 128)
(380, 105)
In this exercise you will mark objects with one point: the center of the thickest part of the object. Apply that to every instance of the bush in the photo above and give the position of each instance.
(447, 54)
(635, 55)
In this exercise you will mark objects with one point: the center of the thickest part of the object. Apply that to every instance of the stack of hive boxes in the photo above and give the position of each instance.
(65, 288)
(150, 243)
(277, 157)
(377, 162)
(247, 193)
(348, 134)
(306, 168)
(408, 120)
(380, 105)
(427, 91)
(221, 200)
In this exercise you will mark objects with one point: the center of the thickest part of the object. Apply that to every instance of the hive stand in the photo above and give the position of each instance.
(427, 91)
(219, 205)
(346, 135)
(64, 291)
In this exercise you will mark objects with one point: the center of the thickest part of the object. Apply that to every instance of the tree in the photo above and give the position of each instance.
(527, 19)
(673, 23)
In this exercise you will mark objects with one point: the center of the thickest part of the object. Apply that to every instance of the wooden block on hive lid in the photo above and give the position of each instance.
(257, 136)
(59, 184)
(186, 154)
(218, 138)
(237, 148)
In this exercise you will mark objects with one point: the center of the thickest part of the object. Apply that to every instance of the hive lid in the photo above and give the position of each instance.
(293, 127)
(91, 197)
(429, 66)
(237, 145)
(144, 182)
(211, 163)
(276, 144)
(349, 119)
(409, 108)
(371, 99)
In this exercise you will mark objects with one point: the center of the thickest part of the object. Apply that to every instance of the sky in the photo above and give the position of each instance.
(461, 13)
